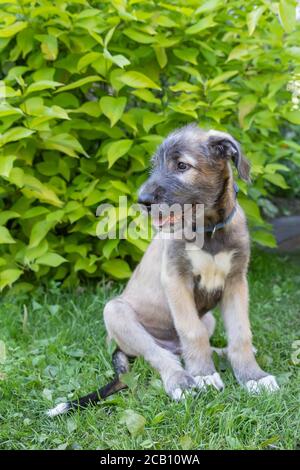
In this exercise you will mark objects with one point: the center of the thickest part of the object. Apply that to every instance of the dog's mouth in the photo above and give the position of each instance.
(173, 219)
(160, 221)
(165, 218)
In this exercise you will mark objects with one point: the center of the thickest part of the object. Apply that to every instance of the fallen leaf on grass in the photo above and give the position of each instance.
(186, 442)
(135, 422)
(47, 394)
(270, 442)
(71, 425)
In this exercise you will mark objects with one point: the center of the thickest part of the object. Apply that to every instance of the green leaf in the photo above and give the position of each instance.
(117, 149)
(71, 425)
(108, 36)
(33, 187)
(115, 81)
(49, 47)
(264, 238)
(277, 179)
(8, 277)
(90, 107)
(186, 109)
(163, 20)
(31, 254)
(223, 77)
(251, 209)
(8, 215)
(201, 25)
(293, 117)
(113, 108)
(51, 259)
(118, 59)
(39, 232)
(122, 187)
(35, 212)
(109, 247)
(8, 110)
(86, 264)
(186, 442)
(241, 52)
(130, 379)
(33, 106)
(65, 143)
(142, 245)
(80, 83)
(137, 36)
(185, 87)
(117, 268)
(191, 71)
(273, 167)
(253, 18)
(13, 29)
(134, 422)
(137, 80)
(246, 105)
(188, 54)
(88, 59)
(5, 236)
(47, 394)
(146, 95)
(161, 56)
(16, 133)
(287, 14)
(209, 5)
(6, 164)
(151, 119)
(42, 85)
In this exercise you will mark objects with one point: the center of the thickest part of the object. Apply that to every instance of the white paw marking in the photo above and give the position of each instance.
(177, 394)
(268, 383)
(202, 381)
(58, 410)
(180, 394)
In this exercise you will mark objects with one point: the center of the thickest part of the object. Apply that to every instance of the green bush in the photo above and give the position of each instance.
(90, 88)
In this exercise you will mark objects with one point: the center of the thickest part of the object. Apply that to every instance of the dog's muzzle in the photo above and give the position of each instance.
(146, 200)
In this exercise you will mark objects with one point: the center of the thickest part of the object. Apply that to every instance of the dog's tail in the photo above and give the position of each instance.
(121, 366)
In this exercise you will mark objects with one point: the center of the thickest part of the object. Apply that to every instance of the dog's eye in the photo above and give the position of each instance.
(181, 166)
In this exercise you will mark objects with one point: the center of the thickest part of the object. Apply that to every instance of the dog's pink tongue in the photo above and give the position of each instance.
(160, 221)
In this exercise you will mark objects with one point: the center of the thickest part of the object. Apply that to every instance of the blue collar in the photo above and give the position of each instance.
(213, 228)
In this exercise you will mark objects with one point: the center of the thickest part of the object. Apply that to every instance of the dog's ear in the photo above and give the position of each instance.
(222, 145)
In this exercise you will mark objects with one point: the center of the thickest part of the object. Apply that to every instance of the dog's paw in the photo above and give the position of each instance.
(214, 380)
(179, 384)
(268, 384)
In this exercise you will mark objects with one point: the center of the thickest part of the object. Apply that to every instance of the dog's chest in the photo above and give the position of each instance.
(210, 270)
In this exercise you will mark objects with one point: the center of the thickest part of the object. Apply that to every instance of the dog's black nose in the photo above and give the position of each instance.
(146, 200)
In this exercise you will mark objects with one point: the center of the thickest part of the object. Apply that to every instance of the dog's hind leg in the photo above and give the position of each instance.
(121, 366)
(123, 326)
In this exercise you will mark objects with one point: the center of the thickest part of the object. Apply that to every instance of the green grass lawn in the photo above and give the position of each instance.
(55, 350)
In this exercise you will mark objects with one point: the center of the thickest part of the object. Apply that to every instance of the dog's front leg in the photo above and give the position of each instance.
(192, 331)
(234, 308)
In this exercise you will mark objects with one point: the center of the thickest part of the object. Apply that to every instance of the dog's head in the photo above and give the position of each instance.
(192, 166)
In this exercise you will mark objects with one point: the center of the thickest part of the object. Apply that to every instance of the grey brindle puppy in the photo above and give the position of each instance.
(165, 309)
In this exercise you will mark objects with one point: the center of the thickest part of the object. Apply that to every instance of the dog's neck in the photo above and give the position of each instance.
(224, 205)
